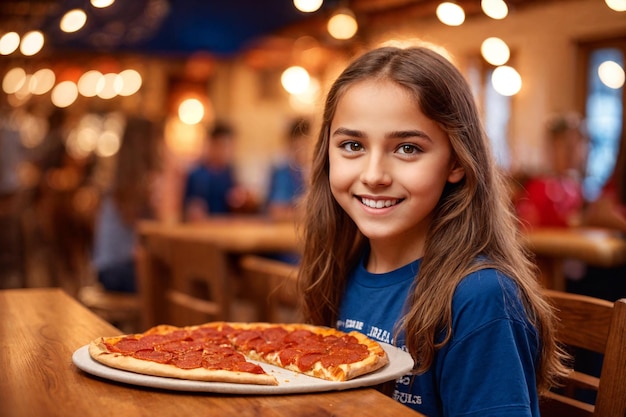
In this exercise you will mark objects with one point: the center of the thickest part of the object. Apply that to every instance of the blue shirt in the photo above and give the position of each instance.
(286, 184)
(211, 186)
(488, 366)
(114, 240)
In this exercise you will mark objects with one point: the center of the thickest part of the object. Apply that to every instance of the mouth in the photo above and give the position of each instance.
(379, 203)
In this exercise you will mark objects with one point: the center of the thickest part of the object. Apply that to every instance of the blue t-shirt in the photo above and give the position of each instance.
(286, 184)
(488, 366)
(211, 186)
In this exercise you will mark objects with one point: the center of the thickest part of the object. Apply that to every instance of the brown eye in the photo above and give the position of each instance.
(408, 149)
(352, 146)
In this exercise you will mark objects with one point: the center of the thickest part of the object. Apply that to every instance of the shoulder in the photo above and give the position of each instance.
(486, 283)
(196, 171)
(487, 295)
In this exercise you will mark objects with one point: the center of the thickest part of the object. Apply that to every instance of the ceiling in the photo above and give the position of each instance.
(220, 27)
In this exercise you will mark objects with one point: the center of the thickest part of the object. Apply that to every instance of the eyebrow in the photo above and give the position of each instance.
(404, 134)
(348, 132)
(396, 134)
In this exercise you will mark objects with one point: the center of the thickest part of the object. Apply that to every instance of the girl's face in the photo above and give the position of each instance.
(389, 164)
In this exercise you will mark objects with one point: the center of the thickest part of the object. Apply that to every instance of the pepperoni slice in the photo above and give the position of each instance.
(211, 334)
(153, 355)
(297, 336)
(125, 346)
(181, 346)
(188, 360)
(307, 360)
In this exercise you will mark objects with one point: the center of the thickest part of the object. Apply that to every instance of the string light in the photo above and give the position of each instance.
(191, 111)
(101, 4)
(506, 80)
(617, 5)
(308, 6)
(450, 14)
(342, 25)
(73, 21)
(495, 9)
(495, 51)
(295, 80)
(9, 42)
(611, 74)
(32, 42)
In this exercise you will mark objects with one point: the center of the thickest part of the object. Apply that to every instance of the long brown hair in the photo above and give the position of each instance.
(136, 162)
(473, 225)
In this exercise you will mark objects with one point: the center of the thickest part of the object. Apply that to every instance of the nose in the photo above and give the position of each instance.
(376, 171)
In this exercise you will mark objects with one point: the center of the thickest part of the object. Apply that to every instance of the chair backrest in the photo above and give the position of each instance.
(598, 326)
(120, 309)
(272, 287)
(198, 291)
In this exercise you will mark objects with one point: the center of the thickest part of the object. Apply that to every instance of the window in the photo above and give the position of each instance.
(604, 112)
(496, 109)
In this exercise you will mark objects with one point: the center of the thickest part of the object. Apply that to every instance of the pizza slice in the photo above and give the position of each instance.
(199, 354)
(320, 352)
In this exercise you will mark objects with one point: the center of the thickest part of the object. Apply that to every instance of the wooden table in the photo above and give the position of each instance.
(234, 235)
(597, 247)
(239, 234)
(41, 328)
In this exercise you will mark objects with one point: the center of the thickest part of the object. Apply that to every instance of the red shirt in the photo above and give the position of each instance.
(550, 202)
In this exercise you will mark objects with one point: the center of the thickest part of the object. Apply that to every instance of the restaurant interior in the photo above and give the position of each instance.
(75, 73)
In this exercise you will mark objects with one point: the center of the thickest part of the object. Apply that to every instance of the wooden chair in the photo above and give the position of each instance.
(272, 287)
(118, 308)
(599, 326)
(198, 290)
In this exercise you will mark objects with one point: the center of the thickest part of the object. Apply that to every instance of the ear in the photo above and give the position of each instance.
(456, 174)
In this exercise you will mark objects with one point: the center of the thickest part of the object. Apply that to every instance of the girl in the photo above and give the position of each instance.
(409, 238)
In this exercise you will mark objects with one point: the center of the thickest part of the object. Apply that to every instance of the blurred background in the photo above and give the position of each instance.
(74, 72)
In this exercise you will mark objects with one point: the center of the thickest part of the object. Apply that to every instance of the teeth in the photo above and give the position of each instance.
(378, 203)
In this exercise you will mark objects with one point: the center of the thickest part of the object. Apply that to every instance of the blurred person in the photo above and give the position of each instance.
(554, 198)
(211, 187)
(126, 200)
(608, 211)
(11, 157)
(288, 178)
(59, 231)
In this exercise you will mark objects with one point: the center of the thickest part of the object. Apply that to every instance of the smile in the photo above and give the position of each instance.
(379, 203)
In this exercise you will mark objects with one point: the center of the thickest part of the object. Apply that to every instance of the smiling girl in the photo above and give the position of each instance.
(409, 238)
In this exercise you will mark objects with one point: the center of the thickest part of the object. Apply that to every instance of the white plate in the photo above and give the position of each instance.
(400, 363)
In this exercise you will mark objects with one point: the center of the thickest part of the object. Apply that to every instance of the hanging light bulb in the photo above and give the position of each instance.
(450, 14)
(342, 25)
(9, 42)
(506, 80)
(495, 51)
(191, 111)
(101, 4)
(308, 6)
(495, 9)
(295, 80)
(32, 42)
(73, 21)
(611, 74)
(617, 5)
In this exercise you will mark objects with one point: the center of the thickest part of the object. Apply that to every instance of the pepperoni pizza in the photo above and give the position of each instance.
(222, 352)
